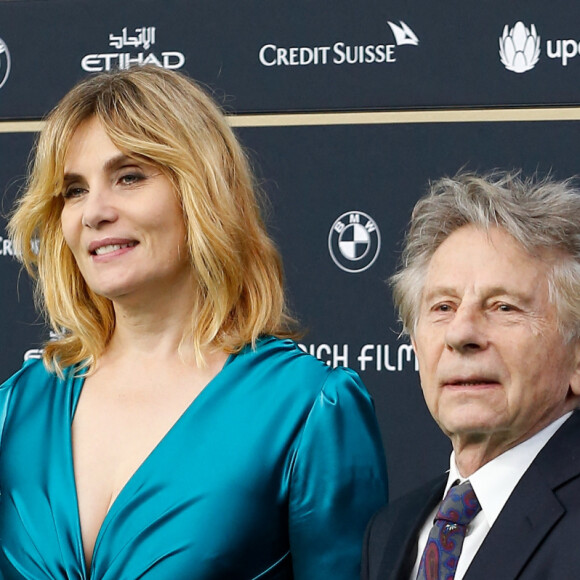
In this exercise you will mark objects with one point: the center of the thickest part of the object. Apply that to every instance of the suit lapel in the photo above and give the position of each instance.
(527, 517)
(532, 509)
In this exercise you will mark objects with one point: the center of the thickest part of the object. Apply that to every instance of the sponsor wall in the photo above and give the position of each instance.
(348, 112)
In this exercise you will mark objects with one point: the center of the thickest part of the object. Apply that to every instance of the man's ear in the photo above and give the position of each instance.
(575, 376)
(414, 345)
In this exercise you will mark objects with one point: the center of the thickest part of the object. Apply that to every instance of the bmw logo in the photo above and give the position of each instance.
(354, 241)
(4, 63)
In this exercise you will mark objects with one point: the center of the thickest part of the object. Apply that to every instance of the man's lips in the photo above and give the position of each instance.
(110, 245)
(470, 382)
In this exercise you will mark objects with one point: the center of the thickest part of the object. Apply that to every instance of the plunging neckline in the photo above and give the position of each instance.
(77, 391)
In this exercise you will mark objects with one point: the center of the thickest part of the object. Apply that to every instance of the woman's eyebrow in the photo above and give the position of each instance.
(109, 165)
(117, 160)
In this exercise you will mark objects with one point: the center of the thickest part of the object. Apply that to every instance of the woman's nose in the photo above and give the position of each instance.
(98, 208)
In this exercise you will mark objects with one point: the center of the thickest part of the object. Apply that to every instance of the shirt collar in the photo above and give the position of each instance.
(494, 482)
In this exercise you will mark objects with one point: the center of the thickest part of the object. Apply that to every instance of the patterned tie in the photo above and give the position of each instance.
(439, 560)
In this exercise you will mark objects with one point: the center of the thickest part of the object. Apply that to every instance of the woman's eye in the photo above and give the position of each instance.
(131, 178)
(73, 192)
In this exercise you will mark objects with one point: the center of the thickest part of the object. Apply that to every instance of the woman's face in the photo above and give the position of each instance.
(122, 221)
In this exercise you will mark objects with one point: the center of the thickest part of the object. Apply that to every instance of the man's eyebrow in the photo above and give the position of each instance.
(439, 291)
(490, 292)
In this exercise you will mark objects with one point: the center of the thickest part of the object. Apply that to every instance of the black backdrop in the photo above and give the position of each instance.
(340, 147)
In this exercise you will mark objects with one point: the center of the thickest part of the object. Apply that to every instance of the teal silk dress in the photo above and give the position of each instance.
(271, 473)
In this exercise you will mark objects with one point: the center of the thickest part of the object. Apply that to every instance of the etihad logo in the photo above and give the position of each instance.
(134, 48)
(403, 34)
(340, 52)
(519, 47)
(4, 63)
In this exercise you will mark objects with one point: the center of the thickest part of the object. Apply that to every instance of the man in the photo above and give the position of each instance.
(490, 295)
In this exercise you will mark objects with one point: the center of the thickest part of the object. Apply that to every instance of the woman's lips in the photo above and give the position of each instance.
(110, 245)
(112, 248)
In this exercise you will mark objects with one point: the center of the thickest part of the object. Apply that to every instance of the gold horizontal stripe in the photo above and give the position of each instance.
(370, 118)
(20, 126)
(397, 117)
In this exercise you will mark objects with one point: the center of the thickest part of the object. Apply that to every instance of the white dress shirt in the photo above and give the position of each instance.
(493, 484)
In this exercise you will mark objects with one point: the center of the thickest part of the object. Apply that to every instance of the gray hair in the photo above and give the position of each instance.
(540, 214)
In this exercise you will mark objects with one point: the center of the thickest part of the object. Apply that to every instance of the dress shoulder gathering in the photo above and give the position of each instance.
(272, 472)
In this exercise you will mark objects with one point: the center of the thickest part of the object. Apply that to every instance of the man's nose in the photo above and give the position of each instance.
(466, 332)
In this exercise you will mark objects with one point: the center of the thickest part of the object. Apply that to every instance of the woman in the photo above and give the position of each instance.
(174, 430)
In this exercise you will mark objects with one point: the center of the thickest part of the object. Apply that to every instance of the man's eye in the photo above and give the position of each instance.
(505, 307)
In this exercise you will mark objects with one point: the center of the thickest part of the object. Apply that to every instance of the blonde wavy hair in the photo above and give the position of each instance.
(165, 119)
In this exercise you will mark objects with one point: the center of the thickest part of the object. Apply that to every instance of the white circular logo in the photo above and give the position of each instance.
(354, 241)
(4, 63)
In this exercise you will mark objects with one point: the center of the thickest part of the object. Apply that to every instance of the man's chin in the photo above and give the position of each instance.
(471, 422)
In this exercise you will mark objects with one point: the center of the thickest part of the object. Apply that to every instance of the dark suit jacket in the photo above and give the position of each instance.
(536, 535)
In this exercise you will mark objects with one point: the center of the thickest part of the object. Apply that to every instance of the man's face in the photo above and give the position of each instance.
(493, 366)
